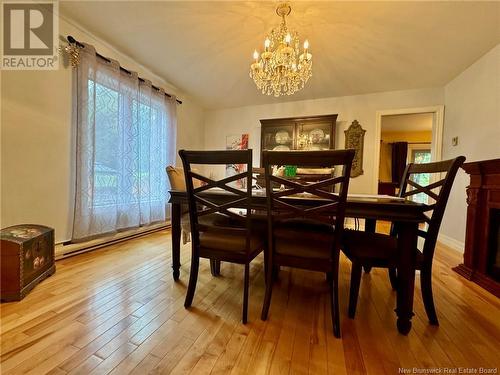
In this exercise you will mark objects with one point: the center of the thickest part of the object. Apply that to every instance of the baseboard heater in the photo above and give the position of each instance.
(65, 250)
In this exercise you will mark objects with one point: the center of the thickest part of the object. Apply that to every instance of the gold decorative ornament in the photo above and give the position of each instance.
(73, 52)
(355, 138)
(282, 69)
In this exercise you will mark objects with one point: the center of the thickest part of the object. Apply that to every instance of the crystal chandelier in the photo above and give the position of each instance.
(282, 68)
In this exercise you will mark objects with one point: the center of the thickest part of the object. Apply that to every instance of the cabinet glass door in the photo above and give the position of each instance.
(278, 138)
(314, 136)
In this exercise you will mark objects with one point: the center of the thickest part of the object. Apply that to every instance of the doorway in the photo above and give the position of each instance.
(405, 136)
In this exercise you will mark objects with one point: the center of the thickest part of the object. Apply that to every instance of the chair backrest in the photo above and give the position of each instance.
(282, 203)
(178, 182)
(176, 178)
(200, 201)
(437, 191)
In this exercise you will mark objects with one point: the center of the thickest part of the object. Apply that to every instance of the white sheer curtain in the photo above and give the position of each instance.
(126, 134)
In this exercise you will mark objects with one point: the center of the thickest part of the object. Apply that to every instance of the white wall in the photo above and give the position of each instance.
(190, 119)
(220, 123)
(37, 134)
(472, 112)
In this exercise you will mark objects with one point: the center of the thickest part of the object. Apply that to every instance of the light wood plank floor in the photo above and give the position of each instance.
(117, 311)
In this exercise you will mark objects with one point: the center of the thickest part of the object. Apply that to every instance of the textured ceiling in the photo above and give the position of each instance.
(205, 48)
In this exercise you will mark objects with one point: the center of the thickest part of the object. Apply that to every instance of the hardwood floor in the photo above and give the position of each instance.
(118, 311)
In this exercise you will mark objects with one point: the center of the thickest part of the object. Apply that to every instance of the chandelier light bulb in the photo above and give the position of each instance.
(267, 43)
(255, 55)
(288, 38)
(306, 44)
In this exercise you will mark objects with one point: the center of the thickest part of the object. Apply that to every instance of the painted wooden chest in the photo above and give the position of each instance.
(27, 258)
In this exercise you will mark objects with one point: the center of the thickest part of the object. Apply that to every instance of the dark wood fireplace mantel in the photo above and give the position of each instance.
(483, 208)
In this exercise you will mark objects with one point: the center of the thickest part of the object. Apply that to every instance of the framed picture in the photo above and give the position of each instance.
(236, 142)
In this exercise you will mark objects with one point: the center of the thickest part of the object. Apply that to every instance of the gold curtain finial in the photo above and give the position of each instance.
(73, 52)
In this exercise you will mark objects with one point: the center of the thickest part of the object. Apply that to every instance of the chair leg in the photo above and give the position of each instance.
(266, 263)
(367, 269)
(334, 298)
(393, 278)
(245, 294)
(426, 287)
(269, 290)
(213, 267)
(354, 288)
(276, 272)
(193, 278)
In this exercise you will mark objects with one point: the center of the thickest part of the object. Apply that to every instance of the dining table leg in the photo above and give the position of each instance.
(176, 239)
(407, 244)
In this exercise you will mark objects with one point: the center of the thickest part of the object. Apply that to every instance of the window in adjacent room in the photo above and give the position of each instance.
(420, 155)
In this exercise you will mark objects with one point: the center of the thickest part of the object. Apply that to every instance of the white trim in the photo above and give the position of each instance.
(451, 242)
(416, 147)
(437, 133)
(63, 251)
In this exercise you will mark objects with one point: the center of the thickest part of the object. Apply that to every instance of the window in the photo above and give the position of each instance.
(420, 156)
(125, 139)
(107, 161)
(106, 134)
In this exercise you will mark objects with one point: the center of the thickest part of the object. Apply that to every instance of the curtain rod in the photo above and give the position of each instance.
(81, 45)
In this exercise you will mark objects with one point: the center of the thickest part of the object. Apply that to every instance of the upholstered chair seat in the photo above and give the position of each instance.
(230, 242)
(303, 238)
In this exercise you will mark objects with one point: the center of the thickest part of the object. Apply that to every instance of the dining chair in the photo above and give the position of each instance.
(237, 241)
(177, 182)
(303, 236)
(369, 249)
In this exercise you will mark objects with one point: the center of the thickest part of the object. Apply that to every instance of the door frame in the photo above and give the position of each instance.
(437, 133)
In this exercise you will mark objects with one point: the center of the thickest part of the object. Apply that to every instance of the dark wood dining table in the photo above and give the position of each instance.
(407, 214)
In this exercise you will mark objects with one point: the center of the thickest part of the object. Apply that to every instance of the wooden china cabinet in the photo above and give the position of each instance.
(311, 133)
(298, 133)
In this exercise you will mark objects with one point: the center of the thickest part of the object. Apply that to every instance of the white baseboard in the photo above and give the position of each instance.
(451, 242)
(63, 251)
